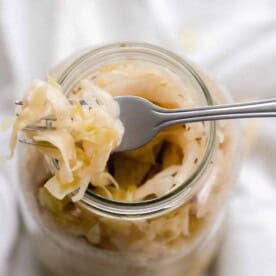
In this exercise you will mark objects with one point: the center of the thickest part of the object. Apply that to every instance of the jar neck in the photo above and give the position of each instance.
(92, 60)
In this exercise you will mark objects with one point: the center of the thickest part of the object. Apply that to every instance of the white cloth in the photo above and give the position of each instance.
(234, 41)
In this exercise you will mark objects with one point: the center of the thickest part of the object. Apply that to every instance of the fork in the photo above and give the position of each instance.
(143, 120)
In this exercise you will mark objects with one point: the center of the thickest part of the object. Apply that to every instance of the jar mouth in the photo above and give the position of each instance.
(178, 195)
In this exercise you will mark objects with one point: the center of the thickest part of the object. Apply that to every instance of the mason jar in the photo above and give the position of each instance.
(177, 233)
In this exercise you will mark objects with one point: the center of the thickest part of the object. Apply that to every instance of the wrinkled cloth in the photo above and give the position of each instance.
(234, 41)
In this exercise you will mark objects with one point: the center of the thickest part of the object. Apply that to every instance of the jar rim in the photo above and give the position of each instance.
(177, 196)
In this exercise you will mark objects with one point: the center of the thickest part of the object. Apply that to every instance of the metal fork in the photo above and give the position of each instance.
(142, 119)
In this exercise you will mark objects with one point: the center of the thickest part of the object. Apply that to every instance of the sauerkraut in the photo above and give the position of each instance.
(81, 138)
(148, 172)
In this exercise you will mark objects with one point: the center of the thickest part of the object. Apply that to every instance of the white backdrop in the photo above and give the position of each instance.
(234, 41)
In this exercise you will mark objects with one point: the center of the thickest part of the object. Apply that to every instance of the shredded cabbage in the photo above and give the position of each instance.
(83, 148)
(84, 136)
(82, 139)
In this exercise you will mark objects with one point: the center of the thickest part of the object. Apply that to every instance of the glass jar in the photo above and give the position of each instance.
(175, 234)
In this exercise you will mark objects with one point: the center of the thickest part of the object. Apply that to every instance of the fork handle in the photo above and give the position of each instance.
(265, 108)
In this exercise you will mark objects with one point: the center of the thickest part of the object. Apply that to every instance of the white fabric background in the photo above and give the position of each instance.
(234, 41)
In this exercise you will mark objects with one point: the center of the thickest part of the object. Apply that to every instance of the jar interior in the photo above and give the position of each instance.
(95, 63)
